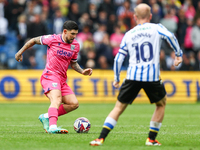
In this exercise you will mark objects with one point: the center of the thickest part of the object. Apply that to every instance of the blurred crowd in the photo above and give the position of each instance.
(102, 25)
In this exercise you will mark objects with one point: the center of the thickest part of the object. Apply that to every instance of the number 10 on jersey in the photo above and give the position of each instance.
(140, 51)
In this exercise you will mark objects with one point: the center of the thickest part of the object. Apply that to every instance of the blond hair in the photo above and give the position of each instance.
(142, 11)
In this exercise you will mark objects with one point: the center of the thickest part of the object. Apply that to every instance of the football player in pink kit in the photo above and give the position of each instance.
(62, 51)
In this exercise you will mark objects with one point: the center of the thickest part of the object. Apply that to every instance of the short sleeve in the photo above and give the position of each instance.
(46, 39)
(75, 56)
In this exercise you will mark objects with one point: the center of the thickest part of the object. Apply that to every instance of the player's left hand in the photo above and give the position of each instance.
(87, 71)
(177, 61)
(116, 84)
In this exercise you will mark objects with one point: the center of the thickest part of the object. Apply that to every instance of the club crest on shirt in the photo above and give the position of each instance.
(54, 84)
(72, 47)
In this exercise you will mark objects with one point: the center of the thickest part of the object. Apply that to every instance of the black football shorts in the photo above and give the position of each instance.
(130, 89)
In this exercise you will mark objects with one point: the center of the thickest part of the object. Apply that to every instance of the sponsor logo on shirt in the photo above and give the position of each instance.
(64, 53)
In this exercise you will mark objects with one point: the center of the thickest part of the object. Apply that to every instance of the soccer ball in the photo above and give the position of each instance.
(82, 125)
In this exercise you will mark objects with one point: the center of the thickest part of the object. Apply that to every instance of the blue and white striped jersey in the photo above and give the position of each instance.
(143, 44)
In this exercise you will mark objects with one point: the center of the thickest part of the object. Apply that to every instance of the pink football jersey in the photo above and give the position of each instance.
(59, 54)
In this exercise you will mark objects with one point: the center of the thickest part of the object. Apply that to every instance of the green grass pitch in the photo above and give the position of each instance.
(20, 128)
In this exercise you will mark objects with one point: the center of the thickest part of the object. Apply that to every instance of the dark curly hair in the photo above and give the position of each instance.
(70, 25)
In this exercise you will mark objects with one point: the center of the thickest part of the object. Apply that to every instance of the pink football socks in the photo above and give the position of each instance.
(61, 110)
(53, 116)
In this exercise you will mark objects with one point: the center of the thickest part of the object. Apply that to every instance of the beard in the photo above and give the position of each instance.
(70, 41)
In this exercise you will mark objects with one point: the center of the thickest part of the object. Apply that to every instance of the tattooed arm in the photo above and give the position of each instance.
(77, 68)
(30, 43)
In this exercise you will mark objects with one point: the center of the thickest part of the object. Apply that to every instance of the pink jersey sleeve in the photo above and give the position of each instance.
(46, 39)
(74, 58)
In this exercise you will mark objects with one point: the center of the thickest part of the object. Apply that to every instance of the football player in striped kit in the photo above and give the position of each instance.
(142, 43)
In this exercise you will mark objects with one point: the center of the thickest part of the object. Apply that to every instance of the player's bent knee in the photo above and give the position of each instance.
(76, 105)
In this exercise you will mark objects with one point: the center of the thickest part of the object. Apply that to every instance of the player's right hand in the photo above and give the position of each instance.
(18, 56)
(116, 84)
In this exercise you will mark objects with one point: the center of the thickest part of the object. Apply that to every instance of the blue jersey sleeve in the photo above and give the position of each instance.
(170, 38)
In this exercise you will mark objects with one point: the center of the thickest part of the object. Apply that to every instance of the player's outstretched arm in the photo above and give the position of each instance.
(77, 68)
(30, 43)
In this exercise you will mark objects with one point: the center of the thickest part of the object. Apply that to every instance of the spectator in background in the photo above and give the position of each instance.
(112, 21)
(58, 22)
(96, 2)
(151, 3)
(189, 9)
(169, 22)
(161, 6)
(197, 15)
(182, 25)
(91, 59)
(29, 61)
(3, 29)
(52, 8)
(189, 62)
(156, 16)
(88, 44)
(195, 4)
(198, 60)
(64, 7)
(2, 9)
(115, 40)
(29, 11)
(84, 34)
(36, 27)
(46, 19)
(104, 54)
(37, 6)
(92, 11)
(175, 4)
(118, 3)
(196, 36)
(103, 18)
(85, 39)
(123, 26)
(99, 34)
(193, 61)
(21, 30)
(74, 13)
(163, 64)
(12, 12)
(82, 5)
(126, 14)
(188, 40)
(173, 15)
(84, 20)
(32, 8)
(107, 6)
(126, 6)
